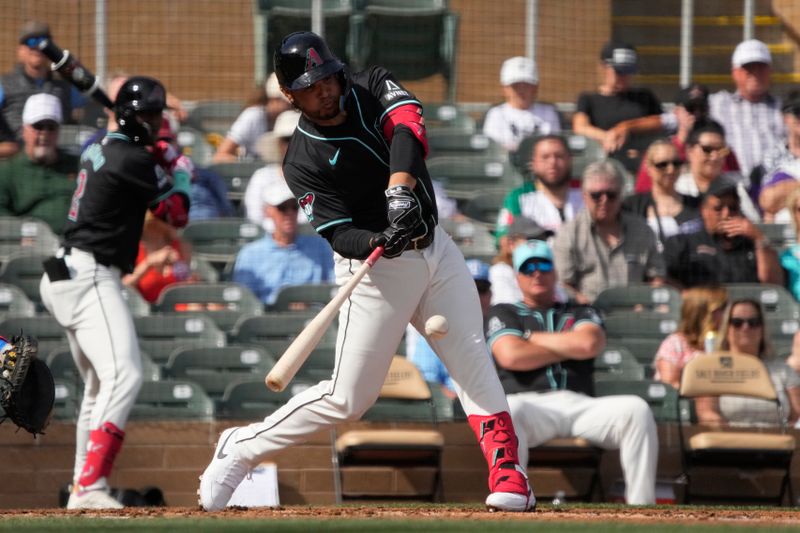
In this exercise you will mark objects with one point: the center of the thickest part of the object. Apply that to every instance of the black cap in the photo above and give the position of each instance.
(33, 28)
(621, 57)
(525, 227)
(694, 94)
(722, 186)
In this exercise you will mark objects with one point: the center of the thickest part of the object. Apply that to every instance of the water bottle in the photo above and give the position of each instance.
(710, 341)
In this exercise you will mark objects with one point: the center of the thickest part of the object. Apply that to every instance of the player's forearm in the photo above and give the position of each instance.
(646, 124)
(351, 242)
(517, 354)
(584, 343)
(768, 265)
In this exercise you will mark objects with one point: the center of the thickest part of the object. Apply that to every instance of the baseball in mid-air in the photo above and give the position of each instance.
(436, 327)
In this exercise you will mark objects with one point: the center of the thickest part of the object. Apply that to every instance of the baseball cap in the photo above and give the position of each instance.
(720, 187)
(527, 228)
(621, 57)
(41, 106)
(751, 51)
(478, 269)
(531, 250)
(273, 88)
(694, 94)
(276, 192)
(519, 70)
(33, 29)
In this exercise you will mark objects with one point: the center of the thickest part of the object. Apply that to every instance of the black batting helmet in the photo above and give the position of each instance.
(302, 59)
(139, 94)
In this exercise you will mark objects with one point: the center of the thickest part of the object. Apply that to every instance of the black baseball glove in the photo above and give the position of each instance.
(27, 391)
(404, 216)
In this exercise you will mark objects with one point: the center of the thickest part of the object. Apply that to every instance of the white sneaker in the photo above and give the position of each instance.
(222, 475)
(514, 502)
(95, 496)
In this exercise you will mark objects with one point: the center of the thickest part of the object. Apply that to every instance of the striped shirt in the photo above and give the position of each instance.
(751, 128)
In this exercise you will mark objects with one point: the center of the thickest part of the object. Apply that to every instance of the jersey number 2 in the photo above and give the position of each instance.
(80, 188)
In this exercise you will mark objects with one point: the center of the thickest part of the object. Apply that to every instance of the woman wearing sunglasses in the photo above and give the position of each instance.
(743, 331)
(667, 211)
(705, 154)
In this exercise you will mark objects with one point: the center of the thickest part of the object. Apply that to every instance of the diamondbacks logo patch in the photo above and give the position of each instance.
(494, 325)
(312, 59)
(307, 205)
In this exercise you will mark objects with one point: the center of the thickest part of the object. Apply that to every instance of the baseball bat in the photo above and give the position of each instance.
(302, 346)
(71, 69)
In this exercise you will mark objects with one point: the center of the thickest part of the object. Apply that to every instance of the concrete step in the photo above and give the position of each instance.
(673, 7)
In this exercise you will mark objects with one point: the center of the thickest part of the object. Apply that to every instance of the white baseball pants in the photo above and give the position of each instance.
(409, 288)
(103, 342)
(622, 422)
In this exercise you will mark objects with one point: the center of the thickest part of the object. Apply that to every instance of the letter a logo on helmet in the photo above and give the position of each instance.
(312, 59)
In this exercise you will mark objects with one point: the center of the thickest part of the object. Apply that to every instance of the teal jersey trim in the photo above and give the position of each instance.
(333, 223)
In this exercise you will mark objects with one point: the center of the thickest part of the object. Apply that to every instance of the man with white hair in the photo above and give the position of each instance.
(751, 116)
(602, 246)
(520, 115)
(40, 179)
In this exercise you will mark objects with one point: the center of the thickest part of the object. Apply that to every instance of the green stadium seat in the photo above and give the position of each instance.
(280, 325)
(204, 270)
(67, 400)
(304, 297)
(486, 207)
(640, 297)
(617, 363)
(779, 235)
(775, 299)
(172, 400)
(196, 145)
(14, 302)
(455, 142)
(236, 175)
(63, 366)
(224, 303)
(25, 235)
(466, 177)
(219, 240)
(251, 400)
(473, 239)
(161, 334)
(49, 333)
(25, 271)
(215, 116)
(215, 368)
(448, 116)
(661, 397)
(136, 302)
(640, 332)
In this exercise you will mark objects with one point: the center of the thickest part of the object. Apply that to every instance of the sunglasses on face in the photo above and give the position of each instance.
(752, 322)
(33, 42)
(708, 150)
(662, 165)
(45, 125)
(597, 195)
(287, 206)
(542, 266)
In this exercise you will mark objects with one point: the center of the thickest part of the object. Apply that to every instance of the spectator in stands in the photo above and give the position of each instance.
(39, 180)
(728, 248)
(706, 152)
(31, 75)
(275, 142)
(548, 200)
(701, 313)
(599, 114)
(691, 109)
(790, 257)
(667, 211)
(546, 367)
(520, 115)
(256, 119)
(750, 115)
(779, 172)
(744, 331)
(425, 358)
(602, 246)
(282, 257)
(163, 259)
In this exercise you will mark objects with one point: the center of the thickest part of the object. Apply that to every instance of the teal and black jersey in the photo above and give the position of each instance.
(521, 321)
(339, 173)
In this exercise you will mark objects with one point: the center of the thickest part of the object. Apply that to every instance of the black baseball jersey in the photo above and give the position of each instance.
(521, 321)
(116, 183)
(339, 173)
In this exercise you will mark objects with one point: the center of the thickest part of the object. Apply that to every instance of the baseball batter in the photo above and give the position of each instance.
(356, 165)
(119, 180)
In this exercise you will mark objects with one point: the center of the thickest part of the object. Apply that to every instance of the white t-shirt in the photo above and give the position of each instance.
(251, 124)
(254, 201)
(538, 207)
(508, 126)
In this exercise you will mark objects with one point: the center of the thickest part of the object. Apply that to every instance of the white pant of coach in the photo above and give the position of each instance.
(622, 422)
(102, 339)
(409, 288)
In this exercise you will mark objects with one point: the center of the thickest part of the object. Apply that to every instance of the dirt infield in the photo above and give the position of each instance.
(588, 513)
